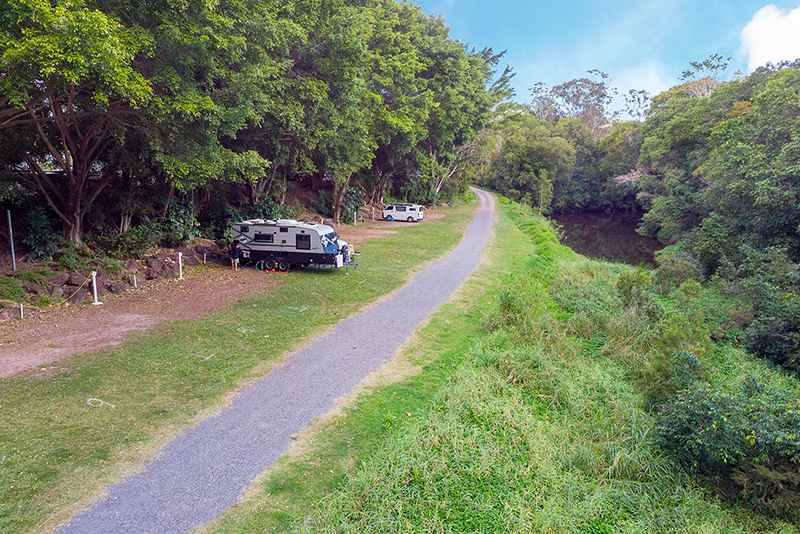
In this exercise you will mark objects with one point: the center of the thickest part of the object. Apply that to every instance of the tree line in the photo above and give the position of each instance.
(712, 166)
(112, 111)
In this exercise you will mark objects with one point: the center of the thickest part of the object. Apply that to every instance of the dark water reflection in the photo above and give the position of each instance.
(607, 236)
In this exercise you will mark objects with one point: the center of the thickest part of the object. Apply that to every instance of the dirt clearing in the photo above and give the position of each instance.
(43, 339)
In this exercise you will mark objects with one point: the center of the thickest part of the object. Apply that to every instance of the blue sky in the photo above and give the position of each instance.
(642, 44)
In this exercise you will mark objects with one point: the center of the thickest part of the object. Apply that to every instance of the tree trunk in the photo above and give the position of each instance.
(73, 231)
(125, 222)
(339, 191)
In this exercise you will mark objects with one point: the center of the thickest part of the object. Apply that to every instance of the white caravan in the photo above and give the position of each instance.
(285, 243)
(404, 212)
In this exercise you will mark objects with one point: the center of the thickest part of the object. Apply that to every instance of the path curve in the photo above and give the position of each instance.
(207, 468)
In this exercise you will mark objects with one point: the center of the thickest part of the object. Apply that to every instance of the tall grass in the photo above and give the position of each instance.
(547, 425)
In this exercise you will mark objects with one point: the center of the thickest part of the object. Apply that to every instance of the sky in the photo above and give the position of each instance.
(642, 44)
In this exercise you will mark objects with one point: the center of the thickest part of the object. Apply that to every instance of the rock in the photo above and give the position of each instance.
(118, 287)
(33, 288)
(76, 279)
(192, 260)
(132, 265)
(56, 292)
(155, 263)
(78, 296)
(59, 279)
(7, 315)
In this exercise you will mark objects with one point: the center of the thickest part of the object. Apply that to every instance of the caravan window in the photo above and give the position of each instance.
(264, 238)
(303, 242)
(284, 230)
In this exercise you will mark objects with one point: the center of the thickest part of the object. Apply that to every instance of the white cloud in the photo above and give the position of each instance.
(772, 35)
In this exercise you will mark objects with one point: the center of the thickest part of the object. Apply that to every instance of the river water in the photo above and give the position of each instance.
(607, 236)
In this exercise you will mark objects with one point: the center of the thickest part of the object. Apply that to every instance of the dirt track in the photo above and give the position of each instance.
(38, 343)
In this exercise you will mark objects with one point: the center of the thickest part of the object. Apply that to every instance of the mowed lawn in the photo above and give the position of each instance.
(57, 450)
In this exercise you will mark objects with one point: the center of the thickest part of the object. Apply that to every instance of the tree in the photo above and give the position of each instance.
(68, 73)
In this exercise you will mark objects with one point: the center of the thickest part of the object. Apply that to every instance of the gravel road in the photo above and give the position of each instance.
(207, 468)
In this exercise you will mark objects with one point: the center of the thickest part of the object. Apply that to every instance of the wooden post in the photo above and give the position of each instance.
(135, 284)
(180, 265)
(21, 311)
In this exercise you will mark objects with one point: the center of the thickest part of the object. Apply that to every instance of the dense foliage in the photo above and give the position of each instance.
(111, 109)
(713, 167)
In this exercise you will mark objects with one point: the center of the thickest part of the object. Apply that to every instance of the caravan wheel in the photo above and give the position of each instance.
(283, 266)
(270, 265)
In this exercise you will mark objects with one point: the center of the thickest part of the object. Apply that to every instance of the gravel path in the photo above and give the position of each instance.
(206, 469)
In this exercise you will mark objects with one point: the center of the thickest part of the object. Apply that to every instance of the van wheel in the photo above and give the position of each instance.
(411, 219)
(389, 218)
(283, 266)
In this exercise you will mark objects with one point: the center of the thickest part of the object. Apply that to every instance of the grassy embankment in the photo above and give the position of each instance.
(531, 412)
(56, 450)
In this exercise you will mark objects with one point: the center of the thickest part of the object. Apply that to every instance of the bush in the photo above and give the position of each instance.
(634, 287)
(675, 268)
(181, 224)
(40, 239)
(72, 258)
(134, 243)
(670, 374)
(748, 440)
(775, 332)
(11, 289)
(272, 210)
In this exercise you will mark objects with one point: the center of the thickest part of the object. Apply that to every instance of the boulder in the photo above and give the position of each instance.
(132, 265)
(78, 296)
(33, 288)
(76, 279)
(118, 287)
(56, 292)
(7, 314)
(58, 279)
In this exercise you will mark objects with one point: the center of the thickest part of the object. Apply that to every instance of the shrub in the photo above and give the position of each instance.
(634, 286)
(674, 268)
(73, 258)
(748, 440)
(11, 289)
(268, 208)
(181, 224)
(670, 374)
(40, 239)
(134, 243)
(775, 332)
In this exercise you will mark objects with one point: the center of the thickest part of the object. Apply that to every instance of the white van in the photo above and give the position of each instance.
(404, 212)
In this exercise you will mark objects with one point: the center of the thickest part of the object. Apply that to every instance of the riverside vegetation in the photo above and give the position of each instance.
(564, 395)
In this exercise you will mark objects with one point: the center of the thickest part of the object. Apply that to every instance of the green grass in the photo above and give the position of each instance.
(56, 451)
(530, 415)
(296, 484)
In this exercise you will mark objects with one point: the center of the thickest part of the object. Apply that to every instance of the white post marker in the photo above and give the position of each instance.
(180, 265)
(11, 240)
(135, 284)
(21, 311)
(204, 258)
(96, 301)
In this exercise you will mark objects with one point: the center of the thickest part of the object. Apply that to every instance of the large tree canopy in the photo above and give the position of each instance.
(366, 94)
